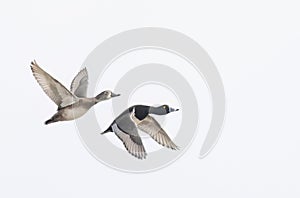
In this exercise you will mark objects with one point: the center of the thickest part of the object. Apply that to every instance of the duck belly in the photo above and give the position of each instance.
(73, 113)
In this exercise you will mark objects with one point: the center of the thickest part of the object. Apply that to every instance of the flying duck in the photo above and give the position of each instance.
(71, 104)
(126, 126)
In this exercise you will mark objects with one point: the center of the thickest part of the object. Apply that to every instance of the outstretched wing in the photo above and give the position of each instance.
(54, 89)
(79, 84)
(127, 132)
(150, 126)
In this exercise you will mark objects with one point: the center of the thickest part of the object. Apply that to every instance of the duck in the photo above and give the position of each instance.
(126, 126)
(73, 103)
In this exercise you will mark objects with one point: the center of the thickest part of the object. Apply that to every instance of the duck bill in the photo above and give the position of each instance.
(173, 110)
(115, 95)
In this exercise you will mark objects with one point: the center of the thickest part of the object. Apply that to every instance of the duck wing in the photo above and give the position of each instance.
(79, 84)
(150, 126)
(61, 96)
(127, 132)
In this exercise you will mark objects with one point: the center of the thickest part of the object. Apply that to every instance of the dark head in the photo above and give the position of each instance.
(162, 110)
(105, 95)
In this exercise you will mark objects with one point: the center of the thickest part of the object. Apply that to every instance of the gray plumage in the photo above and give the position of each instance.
(126, 126)
(71, 104)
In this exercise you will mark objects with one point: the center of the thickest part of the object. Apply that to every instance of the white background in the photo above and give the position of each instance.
(255, 45)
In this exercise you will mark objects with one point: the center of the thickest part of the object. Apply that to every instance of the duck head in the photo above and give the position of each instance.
(162, 110)
(105, 95)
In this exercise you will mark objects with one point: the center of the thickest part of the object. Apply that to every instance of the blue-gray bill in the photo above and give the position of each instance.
(115, 95)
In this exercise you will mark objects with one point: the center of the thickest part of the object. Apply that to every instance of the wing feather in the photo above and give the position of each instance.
(61, 96)
(132, 142)
(79, 84)
(150, 126)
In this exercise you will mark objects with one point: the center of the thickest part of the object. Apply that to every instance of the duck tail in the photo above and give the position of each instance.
(49, 121)
(107, 130)
(57, 117)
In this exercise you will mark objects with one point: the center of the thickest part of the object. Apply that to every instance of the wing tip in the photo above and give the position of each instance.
(32, 63)
(84, 70)
(34, 66)
(139, 155)
(173, 147)
(177, 148)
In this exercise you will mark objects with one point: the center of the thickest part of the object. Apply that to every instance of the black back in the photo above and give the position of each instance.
(124, 121)
(141, 111)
